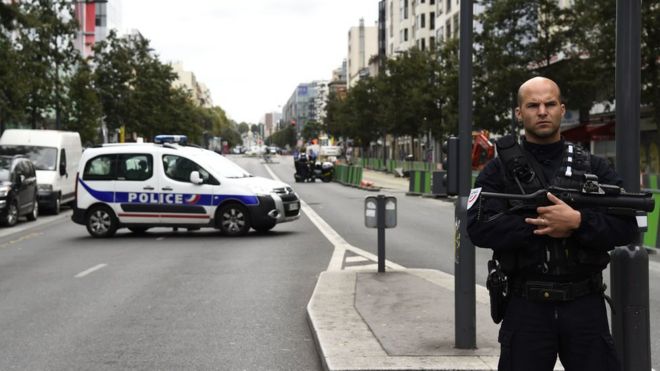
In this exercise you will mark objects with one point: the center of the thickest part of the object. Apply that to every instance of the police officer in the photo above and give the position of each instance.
(553, 257)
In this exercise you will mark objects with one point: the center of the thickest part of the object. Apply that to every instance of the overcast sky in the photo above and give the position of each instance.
(250, 53)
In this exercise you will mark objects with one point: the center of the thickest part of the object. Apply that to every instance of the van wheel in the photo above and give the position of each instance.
(101, 222)
(35, 211)
(233, 220)
(57, 206)
(11, 217)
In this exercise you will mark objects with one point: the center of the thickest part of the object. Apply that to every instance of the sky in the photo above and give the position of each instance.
(251, 54)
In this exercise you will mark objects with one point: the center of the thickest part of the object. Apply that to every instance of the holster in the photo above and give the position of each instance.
(498, 288)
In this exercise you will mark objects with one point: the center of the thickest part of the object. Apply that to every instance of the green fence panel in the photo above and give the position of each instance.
(651, 235)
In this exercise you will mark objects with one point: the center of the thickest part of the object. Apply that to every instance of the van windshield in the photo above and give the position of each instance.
(227, 168)
(5, 169)
(43, 158)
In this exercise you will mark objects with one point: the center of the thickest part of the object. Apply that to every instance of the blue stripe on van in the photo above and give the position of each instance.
(166, 198)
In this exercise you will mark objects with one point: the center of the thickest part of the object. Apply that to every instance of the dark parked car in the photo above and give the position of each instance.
(18, 190)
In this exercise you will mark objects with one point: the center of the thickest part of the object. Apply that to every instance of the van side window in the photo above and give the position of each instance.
(179, 169)
(100, 168)
(137, 166)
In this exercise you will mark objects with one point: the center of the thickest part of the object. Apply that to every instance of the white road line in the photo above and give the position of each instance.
(339, 243)
(90, 270)
(355, 259)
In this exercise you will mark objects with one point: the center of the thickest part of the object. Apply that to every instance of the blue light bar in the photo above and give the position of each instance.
(166, 138)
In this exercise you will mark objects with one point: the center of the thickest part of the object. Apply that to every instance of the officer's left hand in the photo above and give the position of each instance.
(558, 220)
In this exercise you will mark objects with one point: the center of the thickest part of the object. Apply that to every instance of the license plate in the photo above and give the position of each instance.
(295, 206)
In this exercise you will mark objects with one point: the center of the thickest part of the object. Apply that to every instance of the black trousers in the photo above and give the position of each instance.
(534, 333)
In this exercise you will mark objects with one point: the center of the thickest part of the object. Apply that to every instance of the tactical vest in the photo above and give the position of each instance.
(548, 256)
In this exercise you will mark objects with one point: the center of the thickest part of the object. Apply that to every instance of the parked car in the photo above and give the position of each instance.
(18, 190)
(55, 155)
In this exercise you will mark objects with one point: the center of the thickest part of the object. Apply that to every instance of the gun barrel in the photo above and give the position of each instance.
(638, 202)
(631, 201)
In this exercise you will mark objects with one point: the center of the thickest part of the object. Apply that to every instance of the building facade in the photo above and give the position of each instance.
(362, 46)
(187, 80)
(95, 19)
(307, 103)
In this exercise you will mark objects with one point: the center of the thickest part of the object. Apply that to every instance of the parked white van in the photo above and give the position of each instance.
(55, 155)
(143, 185)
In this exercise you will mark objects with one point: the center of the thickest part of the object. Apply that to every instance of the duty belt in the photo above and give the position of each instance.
(558, 291)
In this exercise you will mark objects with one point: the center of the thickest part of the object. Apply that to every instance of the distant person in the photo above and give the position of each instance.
(553, 257)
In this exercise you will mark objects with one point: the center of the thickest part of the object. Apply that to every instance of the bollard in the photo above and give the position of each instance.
(380, 212)
(630, 317)
(380, 215)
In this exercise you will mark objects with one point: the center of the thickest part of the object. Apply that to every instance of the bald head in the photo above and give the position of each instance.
(534, 83)
(540, 110)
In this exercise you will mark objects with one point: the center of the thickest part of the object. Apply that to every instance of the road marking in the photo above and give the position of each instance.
(160, 238)
(23, 238)
(341, 246)
(90, 270)
(355, 259)
(442, 279)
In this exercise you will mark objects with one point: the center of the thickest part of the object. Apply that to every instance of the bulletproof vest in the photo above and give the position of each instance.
(524, 175)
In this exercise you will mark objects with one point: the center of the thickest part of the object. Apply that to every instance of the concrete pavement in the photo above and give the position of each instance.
(397, 320)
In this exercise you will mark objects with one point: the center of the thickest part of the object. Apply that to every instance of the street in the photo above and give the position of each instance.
(199, 300)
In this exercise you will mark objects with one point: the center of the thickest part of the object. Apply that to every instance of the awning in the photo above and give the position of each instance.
(590, 132)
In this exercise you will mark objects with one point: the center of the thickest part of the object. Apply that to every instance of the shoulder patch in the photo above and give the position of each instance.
(474, 196)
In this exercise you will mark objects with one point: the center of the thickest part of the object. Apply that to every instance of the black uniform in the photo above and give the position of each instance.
(536, 329)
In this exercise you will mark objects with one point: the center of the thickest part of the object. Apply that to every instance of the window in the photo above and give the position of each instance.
(456, 25)
(432, 2)
(100, 168)
(405, 34)
(405, 9)
(448, 7)
(448, 29)
(432, 43)
(179, 168)
(422, 21)
(423, 44)
(432, 20)
(135, 167)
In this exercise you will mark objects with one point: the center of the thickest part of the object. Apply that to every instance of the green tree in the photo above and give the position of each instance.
(47, 48)
(83, 113)
(243, 128)
(13, 82)
(311, 130)
(518, 39)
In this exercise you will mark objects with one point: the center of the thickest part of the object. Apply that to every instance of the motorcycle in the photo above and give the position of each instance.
(308, 170)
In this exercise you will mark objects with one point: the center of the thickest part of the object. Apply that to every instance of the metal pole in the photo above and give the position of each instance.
(465, 303)
(629, 266)
(380, 221)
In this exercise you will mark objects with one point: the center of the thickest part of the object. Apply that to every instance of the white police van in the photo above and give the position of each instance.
(143, 185)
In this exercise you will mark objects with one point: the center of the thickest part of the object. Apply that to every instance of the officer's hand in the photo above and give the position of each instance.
(558, 220)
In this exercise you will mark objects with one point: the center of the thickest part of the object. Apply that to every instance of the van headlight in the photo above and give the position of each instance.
(4, 191)
(45, 187)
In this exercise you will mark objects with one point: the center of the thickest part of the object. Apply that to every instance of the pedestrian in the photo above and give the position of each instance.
(553, 257)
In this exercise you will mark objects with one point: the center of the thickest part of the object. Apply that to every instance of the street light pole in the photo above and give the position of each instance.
(464, 270)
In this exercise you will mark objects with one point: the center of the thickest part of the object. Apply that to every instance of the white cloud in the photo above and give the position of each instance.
(251, 54)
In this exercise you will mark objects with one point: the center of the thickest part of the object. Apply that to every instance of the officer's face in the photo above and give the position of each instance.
(540, 110)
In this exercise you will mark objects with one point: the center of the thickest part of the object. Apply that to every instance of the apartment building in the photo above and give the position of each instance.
(362, 46)
(201, 95)
(95, 19)
(307, 103)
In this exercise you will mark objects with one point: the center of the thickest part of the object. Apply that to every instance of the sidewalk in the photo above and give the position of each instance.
(397, 320)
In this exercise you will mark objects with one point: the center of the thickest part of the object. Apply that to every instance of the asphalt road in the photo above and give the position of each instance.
(164, 300)
(180, 300)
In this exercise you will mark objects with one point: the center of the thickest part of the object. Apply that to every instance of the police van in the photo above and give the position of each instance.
(144, 185)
